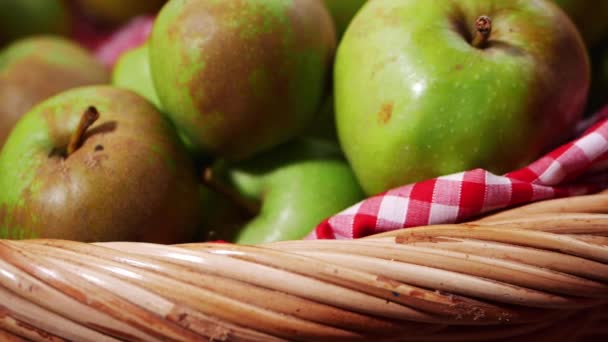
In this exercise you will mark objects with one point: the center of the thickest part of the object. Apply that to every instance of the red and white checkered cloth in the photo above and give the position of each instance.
(576, 168)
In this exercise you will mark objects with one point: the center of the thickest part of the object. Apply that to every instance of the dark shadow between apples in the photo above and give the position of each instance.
(290, 153)
(505, 47)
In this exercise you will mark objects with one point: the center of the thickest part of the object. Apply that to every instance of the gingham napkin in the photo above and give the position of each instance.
(131, 35)
(576, 168)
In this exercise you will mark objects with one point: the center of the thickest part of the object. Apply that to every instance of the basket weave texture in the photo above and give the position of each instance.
(538, 272)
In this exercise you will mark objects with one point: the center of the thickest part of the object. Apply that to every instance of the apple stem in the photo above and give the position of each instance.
(483, 29)
(249, 207)
(86, 120)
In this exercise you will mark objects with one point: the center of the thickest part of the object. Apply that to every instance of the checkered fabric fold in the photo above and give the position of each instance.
(576, 168)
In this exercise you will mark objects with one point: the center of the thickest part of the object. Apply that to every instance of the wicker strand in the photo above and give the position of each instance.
(590, 204)
(526, 275)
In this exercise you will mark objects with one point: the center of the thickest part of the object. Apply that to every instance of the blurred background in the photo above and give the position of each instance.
(89, 21)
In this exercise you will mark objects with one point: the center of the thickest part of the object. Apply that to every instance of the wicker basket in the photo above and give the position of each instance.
(538, 272)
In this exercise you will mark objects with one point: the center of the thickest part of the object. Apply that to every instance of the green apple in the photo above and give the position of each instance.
(590, 16)
(132, 71)
(35, 68)
(20, 18)
(116, 172)
(241, 77)
(343, 11)
(429, 88)
(116, 12)
(295, 185)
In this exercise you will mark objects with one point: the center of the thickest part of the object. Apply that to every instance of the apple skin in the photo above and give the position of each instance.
(21, 18)
(415, 100)
(590, 16)
(241, 77)
(132, 71)
(130, 181)
(343, 11)
(299, 184)
(35, 68)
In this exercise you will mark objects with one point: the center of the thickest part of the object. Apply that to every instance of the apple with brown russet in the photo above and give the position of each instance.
(240, 79)
(97, 164)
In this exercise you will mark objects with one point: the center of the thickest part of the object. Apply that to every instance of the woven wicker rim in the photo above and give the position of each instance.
(536, 271)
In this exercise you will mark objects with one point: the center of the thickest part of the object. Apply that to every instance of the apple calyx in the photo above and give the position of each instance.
(483, 29)
(249, 208)
(87, 119)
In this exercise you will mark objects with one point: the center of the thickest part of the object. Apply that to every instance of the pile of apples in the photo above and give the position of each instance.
(253, 120)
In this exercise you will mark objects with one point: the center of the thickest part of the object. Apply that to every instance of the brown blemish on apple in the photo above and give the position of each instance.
(458, 67)
(385, 113)
(379, 66)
